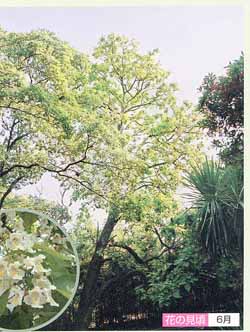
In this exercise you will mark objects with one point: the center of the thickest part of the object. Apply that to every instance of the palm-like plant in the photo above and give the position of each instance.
(217, 194)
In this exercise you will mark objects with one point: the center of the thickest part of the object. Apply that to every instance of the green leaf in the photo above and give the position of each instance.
(28, 219)
(24, 317)
(65, 285)
(63, 274)
(54, 257)
(3, 302)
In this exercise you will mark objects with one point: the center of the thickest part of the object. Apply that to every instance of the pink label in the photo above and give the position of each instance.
(185, 320)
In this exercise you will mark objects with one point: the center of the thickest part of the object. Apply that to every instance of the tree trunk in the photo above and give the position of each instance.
(90, 290)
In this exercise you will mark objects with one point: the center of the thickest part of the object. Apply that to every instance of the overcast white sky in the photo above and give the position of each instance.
(193, 40)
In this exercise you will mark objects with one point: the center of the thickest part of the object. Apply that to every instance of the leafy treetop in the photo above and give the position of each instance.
(222, 102)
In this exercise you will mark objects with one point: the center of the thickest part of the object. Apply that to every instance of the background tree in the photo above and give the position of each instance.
(216, 192)
(222, 103)
(54, 210)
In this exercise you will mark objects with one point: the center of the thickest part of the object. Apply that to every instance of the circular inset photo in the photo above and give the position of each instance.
(39, 270)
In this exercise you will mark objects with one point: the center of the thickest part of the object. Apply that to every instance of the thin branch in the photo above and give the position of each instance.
(15, 122)
(164, 250)
(3, 173)
(82, 183)
(8, 191)
(4, 222)
(131, 87)
(15, 109)
(62, 170)
(135, 107)
(136, 257)
(160, 239)
(18, 138)
(131, 251)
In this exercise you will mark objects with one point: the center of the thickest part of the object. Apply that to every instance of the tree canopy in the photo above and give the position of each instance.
(222, 102)
(38, 77)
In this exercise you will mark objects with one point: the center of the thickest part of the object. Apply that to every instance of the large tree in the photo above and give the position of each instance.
(109, 126)
(222, 103)
(135, 173)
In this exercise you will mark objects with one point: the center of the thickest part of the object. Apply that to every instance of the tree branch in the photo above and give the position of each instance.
(62, 170)
(11, 133)
(8, 191)
(160, 239)
(136, 257)
(4, 222)
(18, 138)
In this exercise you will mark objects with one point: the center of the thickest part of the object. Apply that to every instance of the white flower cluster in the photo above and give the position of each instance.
(22, 268)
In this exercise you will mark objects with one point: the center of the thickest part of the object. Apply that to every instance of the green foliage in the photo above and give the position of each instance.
(62, 271)
(145, 136)
(222, 103)
(173, 277)
(110, 126)
(28, 220)
(217, 194)
(52, 209)
(39, 78)
(229, 273)
(3, 302)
